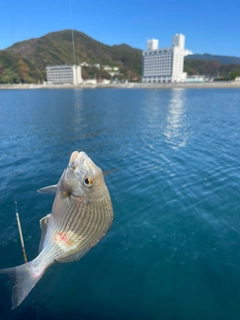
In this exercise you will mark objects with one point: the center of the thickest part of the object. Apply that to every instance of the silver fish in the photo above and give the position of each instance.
(81, 215)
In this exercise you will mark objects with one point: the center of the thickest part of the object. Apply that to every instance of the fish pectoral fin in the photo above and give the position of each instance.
(43, 226)
(49, 189)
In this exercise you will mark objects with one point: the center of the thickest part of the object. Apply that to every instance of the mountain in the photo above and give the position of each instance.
(57, 48)
(209, 57)
(211, 68)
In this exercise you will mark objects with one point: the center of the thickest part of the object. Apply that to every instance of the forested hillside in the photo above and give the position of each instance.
(14, 68)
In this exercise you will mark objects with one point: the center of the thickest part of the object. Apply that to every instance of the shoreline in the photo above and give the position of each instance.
(199, 85)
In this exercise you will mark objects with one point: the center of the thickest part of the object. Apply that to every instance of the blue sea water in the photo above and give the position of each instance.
(173, 251)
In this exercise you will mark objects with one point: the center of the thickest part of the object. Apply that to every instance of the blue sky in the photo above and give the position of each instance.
(210, 26)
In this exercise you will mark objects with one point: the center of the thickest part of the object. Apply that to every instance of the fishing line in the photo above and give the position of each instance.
(77, 90)
(12, 21)
(14, 192)
(73, 44)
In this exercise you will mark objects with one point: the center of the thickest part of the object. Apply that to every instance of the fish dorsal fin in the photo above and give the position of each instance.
(74, 257)
(49, 189)
(43, 226)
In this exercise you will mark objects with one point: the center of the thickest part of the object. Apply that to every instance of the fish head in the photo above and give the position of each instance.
(82, 178)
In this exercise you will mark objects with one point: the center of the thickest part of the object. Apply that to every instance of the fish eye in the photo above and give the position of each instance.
(88, 182)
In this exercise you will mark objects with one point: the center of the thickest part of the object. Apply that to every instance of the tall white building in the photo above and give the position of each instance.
(164, 65)
(65, 74)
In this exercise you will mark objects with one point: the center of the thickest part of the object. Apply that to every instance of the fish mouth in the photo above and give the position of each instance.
(77, 158)
(73, 157)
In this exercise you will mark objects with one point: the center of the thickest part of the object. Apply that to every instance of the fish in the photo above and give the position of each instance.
(82, 214)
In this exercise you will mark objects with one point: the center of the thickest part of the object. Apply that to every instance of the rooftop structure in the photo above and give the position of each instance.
(152, 44)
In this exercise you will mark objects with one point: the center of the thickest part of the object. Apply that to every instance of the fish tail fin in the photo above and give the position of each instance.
(23, 280)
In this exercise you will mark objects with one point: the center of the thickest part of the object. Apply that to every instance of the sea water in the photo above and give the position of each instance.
(173, 251)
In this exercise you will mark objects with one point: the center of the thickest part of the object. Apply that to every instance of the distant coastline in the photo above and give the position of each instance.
(206, 85)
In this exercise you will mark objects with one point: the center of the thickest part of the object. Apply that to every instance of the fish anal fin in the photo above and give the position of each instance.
(43, 225)
(73, 257)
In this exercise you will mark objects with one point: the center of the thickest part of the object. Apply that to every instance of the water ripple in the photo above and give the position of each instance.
(174, 243)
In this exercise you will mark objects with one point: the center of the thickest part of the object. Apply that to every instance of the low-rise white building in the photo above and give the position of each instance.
(164, 65)
(90, 81)
(84, 64)
(64, 74)
(107, 68)
(196, 78)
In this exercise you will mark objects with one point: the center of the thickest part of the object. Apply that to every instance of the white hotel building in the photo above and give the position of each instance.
(65, 74)
(164, 65)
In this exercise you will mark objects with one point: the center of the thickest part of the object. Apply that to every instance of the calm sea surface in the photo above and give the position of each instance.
(173, 251)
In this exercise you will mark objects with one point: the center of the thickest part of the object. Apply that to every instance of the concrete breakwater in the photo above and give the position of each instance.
(219, 84)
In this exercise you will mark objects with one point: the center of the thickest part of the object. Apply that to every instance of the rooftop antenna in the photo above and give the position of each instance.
(74, 56)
